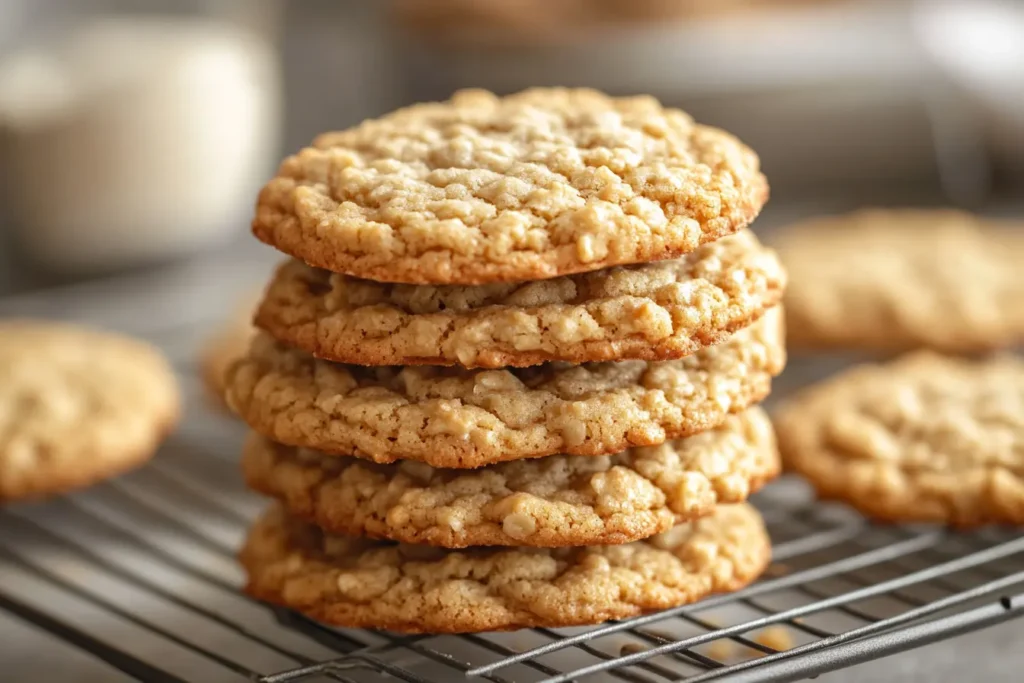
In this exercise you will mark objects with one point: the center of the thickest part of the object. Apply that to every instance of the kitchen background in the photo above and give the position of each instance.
(136, 132)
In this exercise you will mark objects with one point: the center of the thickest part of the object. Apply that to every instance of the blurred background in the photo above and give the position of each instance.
(135, 134)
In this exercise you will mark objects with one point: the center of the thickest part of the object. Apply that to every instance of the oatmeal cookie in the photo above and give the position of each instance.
(359, 583)
(77, 406)
(452, 417)
(556, 501)
(470, 25)
(896, 280)
(481, 189)
(227, 345)
(923, 438)
(655, 311)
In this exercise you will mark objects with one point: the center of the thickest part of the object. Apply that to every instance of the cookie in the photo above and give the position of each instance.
(462, 23)
(77, 406)
(452, 417)
(480, 25)
(481, 189)
(896, 280)
(655, 311)
(359, 583)
(925, 438)
(550, 502)
(227, 345)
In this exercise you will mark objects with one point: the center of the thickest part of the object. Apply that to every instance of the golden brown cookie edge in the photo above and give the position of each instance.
(303, 241)
(262, 586)
(642, 524)
(455, 452)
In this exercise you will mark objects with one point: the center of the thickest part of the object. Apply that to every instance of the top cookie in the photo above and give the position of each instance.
(654, 311)
(480, 189)
(893, 280)
(923, 438)
(76, 406)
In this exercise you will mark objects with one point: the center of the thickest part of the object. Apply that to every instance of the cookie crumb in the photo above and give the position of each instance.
(776, 637)
(722, 650)
(632, 649)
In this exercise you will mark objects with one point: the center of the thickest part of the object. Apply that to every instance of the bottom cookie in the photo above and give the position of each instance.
(357, 583)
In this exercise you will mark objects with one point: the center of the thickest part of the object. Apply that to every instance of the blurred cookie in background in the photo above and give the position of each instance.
(667, 10)
(923, 438)
(536, 22)
(485, 21)
(77, 406)
(885, 281)
(226, 345)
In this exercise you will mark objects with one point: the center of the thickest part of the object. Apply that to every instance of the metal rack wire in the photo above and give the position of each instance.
(139, 573)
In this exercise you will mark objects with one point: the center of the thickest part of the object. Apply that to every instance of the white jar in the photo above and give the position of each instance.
(131, 140)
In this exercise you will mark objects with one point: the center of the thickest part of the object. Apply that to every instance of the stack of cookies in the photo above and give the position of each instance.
(509, 378)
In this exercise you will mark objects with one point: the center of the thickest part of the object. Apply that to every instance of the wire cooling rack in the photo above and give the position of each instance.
(140, 573)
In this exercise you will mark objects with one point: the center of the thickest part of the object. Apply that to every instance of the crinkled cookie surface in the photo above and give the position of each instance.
(452, 417)
(548, 502)
(360, 583)
(654, 311)
(481, 188)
